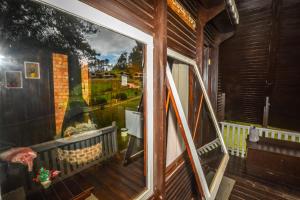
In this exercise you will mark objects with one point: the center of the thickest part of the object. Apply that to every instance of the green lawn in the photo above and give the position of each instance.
(116, 113)
(109, 88)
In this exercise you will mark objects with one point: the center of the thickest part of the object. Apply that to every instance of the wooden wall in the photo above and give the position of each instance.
(244, 62)
(262, 60)
(139, 13)
(285, 74)
(26, 114)
(181, 185)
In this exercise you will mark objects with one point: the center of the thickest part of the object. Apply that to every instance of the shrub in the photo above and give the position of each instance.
(99, 101)
(121, 96)
(108, 90)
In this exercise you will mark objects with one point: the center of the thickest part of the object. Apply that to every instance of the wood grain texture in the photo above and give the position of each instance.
(110, 180)
(136, 13)
(262, 60)
(181, 185)
(285, 93)
(28, 112)
(244, 62)
(179, 37)
(159, 89)
(250, 187)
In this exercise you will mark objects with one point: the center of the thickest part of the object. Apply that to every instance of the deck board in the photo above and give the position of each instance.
(109, 180)
(253, 188)
(112, 180)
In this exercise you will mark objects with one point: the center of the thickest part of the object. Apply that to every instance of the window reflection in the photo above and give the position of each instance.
(64, 81)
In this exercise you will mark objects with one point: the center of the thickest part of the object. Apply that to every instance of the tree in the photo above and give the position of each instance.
(27, 23)
(136, 56)
(122, 61)
(106, 61)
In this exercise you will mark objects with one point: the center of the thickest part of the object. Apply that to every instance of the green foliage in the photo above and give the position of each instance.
(122, 96)
(99, 100)
(44, 175)
(122, 61)
(35, 24)
(135, 58)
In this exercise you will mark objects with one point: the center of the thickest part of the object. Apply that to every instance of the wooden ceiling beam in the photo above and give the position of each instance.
(221, 37)
(206, 14)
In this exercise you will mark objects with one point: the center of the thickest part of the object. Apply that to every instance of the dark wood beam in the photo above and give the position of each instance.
(221, 37)
(206, 14)
(160, 63)
(191, 112)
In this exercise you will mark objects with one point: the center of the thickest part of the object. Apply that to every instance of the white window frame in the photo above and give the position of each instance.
(211, 190)
(84, 11)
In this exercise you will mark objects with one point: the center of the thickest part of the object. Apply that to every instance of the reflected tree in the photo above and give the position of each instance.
(25, 22)
(135, 58)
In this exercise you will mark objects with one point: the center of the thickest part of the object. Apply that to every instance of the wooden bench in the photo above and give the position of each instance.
(47, 157)
(274, 160)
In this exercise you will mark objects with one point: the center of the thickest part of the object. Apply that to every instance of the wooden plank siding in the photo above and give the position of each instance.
(285, 93)
(262, 60)
(181, 184)
(244, 62)
(137, 13)
(36, 115)
(181, 38)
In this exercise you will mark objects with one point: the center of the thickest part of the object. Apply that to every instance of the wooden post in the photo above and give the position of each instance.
(159, 76)
(204, 15)
(222, 111)
(219, 39)
(266, 113)
(191, 113)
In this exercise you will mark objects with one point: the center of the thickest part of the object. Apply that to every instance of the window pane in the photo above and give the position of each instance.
(192, 125)
(71, 99)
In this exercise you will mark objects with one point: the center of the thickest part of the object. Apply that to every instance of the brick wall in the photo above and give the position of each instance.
(85, 84)
(61, 88)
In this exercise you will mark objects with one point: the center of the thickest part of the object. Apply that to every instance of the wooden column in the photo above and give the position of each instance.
(221, 37)
(200, 45)
(192, 111)
(160, 62)
(204, 15)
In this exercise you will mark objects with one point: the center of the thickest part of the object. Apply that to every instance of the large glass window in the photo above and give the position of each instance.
(72, 102)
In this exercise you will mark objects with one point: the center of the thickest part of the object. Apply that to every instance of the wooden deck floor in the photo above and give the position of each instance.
(253, 188)
(112, 181)
(109, 180)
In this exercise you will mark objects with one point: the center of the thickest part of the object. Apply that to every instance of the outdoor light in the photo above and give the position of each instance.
(124, 132)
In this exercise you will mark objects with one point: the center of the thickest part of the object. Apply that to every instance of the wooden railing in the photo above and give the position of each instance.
(235, 136)
(47, 152)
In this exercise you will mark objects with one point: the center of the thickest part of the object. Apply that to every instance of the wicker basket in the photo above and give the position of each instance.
(80, 156)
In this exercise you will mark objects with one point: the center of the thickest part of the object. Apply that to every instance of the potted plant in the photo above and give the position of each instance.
(45, 177)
